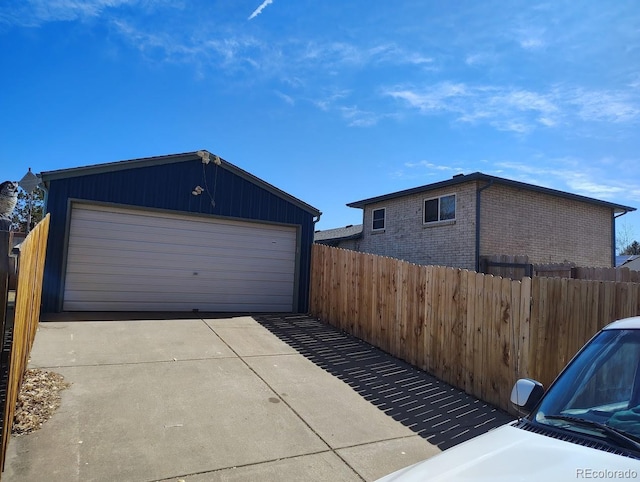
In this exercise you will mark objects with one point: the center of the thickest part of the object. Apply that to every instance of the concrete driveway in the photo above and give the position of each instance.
(239, 398)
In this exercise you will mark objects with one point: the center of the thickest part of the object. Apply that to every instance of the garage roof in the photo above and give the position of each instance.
(171, 159)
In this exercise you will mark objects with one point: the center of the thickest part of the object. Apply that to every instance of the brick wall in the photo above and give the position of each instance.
(547, 229)
(514, 222)
(451, 243)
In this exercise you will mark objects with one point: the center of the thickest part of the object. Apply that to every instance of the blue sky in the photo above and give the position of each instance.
(332, 102)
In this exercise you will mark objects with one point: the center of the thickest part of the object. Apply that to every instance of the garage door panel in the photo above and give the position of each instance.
(274, 286)
(111, 257)
(176, 297)
(177, 278)
(122, 259)
(214, 249)
(103, 236)
(148, 266)
(112, 225)
(176, 306)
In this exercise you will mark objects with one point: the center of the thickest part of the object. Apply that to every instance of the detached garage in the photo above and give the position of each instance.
(187, 232)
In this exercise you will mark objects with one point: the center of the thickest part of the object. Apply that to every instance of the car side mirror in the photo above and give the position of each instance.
(526, 394)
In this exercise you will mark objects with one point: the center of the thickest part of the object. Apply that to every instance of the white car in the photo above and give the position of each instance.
(585, 427)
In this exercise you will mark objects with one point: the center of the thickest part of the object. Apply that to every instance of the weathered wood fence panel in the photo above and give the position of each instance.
(25, 323)
(477, 332)
(622, 274)
(515, 267)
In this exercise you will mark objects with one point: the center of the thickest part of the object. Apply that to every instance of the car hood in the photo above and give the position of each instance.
(509, 453)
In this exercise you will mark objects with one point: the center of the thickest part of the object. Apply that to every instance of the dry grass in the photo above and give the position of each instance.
(38, 399)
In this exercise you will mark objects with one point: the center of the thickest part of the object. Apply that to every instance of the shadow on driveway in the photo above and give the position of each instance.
(438, 412)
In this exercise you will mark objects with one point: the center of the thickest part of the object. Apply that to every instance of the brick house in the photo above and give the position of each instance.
(457, 221)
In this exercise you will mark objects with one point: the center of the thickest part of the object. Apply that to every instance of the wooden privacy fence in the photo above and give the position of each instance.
(516, 267)
(477, 332)
(19, 337)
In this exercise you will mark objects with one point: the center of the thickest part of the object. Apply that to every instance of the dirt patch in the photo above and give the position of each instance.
(38, 399)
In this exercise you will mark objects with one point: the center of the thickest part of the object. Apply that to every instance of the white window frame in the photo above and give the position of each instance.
(440, 221)
(384, 219)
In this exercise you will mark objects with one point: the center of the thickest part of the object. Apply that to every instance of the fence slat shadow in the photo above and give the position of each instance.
(437, 411)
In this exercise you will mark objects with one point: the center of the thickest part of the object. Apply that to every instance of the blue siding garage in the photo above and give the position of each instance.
(186, 232)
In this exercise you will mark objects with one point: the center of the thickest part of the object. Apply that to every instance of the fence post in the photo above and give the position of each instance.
(4, 279)
(4, 359)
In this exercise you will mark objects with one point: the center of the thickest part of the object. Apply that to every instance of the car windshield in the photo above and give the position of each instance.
(599, 392)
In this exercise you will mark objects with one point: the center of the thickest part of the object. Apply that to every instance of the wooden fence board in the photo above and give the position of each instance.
(575, 318)
(591, 310)
(487, 338)
(460, 332)
(387, 306)
(468, 369)
(26, 318)
(428, 323)
(477, 332)
(400, 312)
(421, 353)
(542, 326)
(523, 328)
(446, 302)
(495, 349)
(560, 323)
(503, 339)
(368, 290)
(412, 326)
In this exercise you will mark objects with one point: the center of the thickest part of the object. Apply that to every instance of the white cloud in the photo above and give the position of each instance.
(525, 100)
(519, 110)
(431, 166)
(33, 13)
(548, 122)
(579, 176)
(345, 54)
(582, 184)
(444, 96)
(607, 106)
(506, 109)
(328, 101)
(427, 169)
(512, 125)
(481, 58)
(532, 43)
(287, 98)
(530, 38)
(359, 118)
(259, 10)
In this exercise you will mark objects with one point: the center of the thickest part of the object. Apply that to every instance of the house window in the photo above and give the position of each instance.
(441, 208)
(378, 219)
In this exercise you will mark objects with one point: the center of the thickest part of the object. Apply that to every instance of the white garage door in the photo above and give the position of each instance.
(132, 260)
